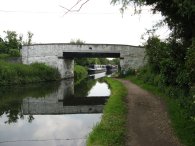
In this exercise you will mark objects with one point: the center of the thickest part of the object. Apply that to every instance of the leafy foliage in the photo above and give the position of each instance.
(12, 43)
(30, 35)
(77, 41)
(80, 73)
(19, 73)
(86, 61)
(156, 51)
(169, 60)
(190, 61)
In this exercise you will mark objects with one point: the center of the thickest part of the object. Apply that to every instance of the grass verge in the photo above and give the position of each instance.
(13, 73)
(184, 128)
(4, 56)
(111, 130)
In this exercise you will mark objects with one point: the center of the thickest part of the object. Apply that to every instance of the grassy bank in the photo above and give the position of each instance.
(111, 130)
(4, 56)
(80, 73)
(183, 126)
(19, 73)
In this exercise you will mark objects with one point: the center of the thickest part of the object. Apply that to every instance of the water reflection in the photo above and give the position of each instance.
(50, 104)
(81, 89)
(50, 113)
(65, 101)
(100, 89)
(98, 75)
(50, 130)
(11, 98)
(54, 98)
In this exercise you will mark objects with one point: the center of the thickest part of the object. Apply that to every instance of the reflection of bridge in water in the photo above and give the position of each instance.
(63, 101)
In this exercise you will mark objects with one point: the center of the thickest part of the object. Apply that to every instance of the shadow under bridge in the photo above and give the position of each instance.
(72, 55)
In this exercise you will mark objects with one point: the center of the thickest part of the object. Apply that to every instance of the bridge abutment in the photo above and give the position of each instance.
(64, 66)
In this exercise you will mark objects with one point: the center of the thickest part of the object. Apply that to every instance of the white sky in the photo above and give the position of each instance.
(97, 22)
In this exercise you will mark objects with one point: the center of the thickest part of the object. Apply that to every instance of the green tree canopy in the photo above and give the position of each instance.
(12, 41)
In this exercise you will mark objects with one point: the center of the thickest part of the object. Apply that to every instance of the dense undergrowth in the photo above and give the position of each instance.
(13, 73)
(111, 130)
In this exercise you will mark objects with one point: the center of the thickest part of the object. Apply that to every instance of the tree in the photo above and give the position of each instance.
(103, 61)
(29, 38)
(12, 41)
(2, 46)
(115, 61)
(30, 35)
(77, 42)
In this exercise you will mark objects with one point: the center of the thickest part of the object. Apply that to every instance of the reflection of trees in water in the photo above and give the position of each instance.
(11, 98)
(82, 89)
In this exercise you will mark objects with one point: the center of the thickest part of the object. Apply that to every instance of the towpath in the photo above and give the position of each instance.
(148, 122)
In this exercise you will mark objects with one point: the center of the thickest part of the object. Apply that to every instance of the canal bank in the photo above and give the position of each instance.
(15, 73)
(111, 130)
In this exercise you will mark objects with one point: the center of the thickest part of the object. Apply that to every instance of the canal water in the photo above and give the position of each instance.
(53, 114)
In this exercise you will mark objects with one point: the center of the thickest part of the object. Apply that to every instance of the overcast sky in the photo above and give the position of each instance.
(97, 22)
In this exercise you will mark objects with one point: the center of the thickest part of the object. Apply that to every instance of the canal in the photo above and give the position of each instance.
(52, 114)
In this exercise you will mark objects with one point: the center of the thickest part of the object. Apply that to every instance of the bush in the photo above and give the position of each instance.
(190, 62)
(14, 53)
(156, 51)
(172, 61)
(4, 56)
(80, 73)
(19, 73)
(130, 71)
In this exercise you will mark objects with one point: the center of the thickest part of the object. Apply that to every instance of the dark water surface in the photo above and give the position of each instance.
(53, 114)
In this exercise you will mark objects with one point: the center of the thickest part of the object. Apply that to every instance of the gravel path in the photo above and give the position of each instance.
(148, 122)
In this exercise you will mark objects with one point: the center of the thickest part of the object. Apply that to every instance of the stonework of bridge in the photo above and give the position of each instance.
(61, 56)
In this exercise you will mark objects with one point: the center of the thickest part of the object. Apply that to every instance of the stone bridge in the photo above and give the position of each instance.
(61, 56)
